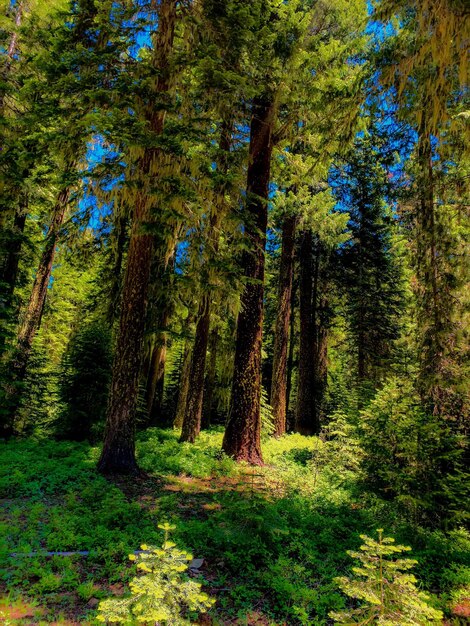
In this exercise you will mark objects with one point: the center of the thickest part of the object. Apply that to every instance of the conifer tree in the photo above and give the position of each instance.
(118, 453)
(279, 396)
(370, 268)
(292, 43)
(194, 400)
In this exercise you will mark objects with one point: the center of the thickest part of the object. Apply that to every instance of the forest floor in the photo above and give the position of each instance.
(272, 538)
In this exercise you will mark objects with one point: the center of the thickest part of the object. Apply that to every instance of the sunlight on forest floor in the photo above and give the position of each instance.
(272, 538)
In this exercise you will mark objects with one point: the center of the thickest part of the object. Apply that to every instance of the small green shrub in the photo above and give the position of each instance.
(160, 594)
(389, 594)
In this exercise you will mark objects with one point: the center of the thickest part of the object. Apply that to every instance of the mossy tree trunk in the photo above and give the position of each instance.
(31, 321)
(209, 384)
(118, 454)
(243, 432)
(281, 338)
(184, 381)
(195, 398)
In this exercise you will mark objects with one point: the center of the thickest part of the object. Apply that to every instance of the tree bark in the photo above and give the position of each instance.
(192, 416)
(281, 338)
(305, 422)
(115, 292)
(195, 398)
(320, 368)
(242, 439)
(209, 384)
(118, 453)
(33, 315)
(156, 372)
(290, 356)
(184, 383)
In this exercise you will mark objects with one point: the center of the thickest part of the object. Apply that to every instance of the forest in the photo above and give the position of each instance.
(234, 312)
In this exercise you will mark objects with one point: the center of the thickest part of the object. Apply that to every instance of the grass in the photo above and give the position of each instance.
(272, 538)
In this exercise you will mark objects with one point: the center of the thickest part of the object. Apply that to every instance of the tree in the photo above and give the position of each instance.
(194, 401)
(84, 382)
(389, 593)
(243, 432)
(279, 398)
(306, 421)
(118, 453)
(371, 274)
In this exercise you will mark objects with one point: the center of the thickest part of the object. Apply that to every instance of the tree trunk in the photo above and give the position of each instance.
(192, 416)
(193, 413)
(242, 435)
(118, 453)
(290, 356)
(281, 338)
(156, 372)
(209, 384)
(320, 338)
(115, 292)
(305, 422)
(32, 317)
(320, 349)
(184, 382)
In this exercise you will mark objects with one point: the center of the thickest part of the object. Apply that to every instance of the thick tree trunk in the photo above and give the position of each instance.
(118, 453)
(32, 317)
(118, 450)
(209, 384)
(192, 417)
(281, 338)
(242, 435)
(305, 422)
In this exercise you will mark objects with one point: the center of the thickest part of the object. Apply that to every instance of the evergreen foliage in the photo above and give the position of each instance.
(84, 381)
(247, 219)
(383, 583)
(159, 593)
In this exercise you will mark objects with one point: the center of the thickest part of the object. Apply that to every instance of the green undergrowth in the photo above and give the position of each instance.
(272, 538)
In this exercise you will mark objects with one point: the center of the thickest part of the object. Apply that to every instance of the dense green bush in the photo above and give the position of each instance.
(413, 457)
